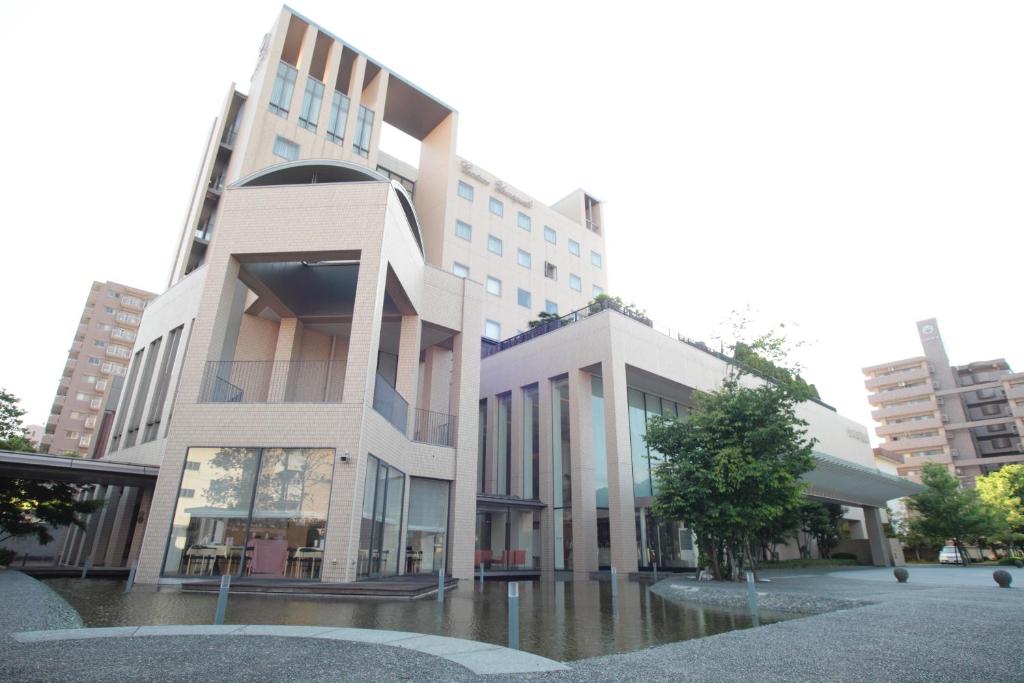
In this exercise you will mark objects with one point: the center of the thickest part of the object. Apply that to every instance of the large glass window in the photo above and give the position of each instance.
(642, 407)
(286, 149)
(309, 115)
(504, 462)
(339, 114)
(561, 462)
(465, 190)
(284, 85)
(531, 442)
(427, 533)
(383, 491)
(507, 538)
(251, 511)
(364, 129)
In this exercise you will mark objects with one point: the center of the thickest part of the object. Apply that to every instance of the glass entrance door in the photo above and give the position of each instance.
(380, 528)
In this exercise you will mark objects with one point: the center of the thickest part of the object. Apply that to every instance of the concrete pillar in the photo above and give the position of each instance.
(122, 528)
(407, 375)
(547, 538)
(84, 545)
(286, 352)
(137, 530)
(621, 510)
(880, 554)
(515, 456)
(98, 552)
(584, 495)
(374, 98)
(355, 98)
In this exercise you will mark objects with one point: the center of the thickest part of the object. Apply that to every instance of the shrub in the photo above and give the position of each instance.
(6, 556)
(1003, 561)
(844, 556)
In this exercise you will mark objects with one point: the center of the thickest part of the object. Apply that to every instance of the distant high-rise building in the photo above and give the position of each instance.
(101, 350)
(967, 417)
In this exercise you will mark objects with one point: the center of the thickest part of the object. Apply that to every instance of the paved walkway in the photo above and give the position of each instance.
(947, 624)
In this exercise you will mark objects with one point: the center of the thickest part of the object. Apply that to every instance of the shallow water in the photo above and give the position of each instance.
(563, 620)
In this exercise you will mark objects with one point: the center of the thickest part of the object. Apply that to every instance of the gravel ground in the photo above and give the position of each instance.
(30, 605)
(926, 631)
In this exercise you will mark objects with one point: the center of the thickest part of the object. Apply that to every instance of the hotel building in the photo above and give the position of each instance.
(968, 417)
(341, 380)
(99, 353)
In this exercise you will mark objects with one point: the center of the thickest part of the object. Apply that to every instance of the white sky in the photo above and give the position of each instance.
(821, 162)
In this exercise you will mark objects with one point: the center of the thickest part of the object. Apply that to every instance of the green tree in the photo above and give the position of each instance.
(12, 432)
(947, 511)
(29, 507)
(542, 318)
(1003, 490)
(823, 523)
(732, 469)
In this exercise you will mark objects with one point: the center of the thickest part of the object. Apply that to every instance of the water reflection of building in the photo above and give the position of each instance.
(314, 385)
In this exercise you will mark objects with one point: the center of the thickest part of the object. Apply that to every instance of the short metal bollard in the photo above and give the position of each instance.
(752, 593)
(440, 583)
(131, 577)
(654, 566)
(85, 568)
(513, 615)
(615, 582)
(222, 599)
(481, 577)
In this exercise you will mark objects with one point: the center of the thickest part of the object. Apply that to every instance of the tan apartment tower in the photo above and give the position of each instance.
(967, 417)
(100, 352)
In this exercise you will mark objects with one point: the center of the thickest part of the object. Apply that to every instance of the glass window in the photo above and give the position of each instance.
(339, 114)
(93, 360)
(383, 491)
(637, 445)
(309, 115)
(524, 258)
(550, 271)
(596, 291)
(523, 221)
(99, 343)
(463, 230)
(531, 442)
(550, 307)
(574, 247)
(286, 149)
(492, 330)
(427, 532)
(507, 538)
(561, 478)
(550, 235)
(496, 207)
(284, 85)
(503, 467)
(523, 298)
(493, 286)
(465, 190)
(595, 259)
(460, 269)
(575, 282)
(364, 130)
(494, 245)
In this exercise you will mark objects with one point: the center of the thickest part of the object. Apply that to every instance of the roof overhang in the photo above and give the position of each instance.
(21, 465)
(840, 481)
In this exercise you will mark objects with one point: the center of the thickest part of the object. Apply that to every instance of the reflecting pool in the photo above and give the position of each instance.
(563, 620)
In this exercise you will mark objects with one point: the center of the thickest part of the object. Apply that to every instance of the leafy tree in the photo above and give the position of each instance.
(602, 301)
(1003, 490)
(748, 356)
(945, 510)
(823, 523)
(542, 318)
(12, 432)
(732, 469)
(29, 507)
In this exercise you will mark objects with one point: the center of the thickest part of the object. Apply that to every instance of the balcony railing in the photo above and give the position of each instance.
(259, 381)
(389, 403)
(434, 428)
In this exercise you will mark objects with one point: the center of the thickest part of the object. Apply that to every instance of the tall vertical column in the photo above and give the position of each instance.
(584, 497)
(880, 555)
(98, 552)
(546, 478)
(464, 404)
(408, 373)
(138, 528)
(287, 352)
(122, 527)
(355, 98)
(84, 545)
(621, 512)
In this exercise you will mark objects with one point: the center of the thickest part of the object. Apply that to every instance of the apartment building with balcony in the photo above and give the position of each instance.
(310, 383)
(99, 352)
(966, 417)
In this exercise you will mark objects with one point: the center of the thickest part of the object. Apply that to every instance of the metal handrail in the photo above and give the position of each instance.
(316, 381)
(434, 428)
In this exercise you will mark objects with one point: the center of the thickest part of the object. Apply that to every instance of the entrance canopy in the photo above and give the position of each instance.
(22, 465)
(840, 481)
